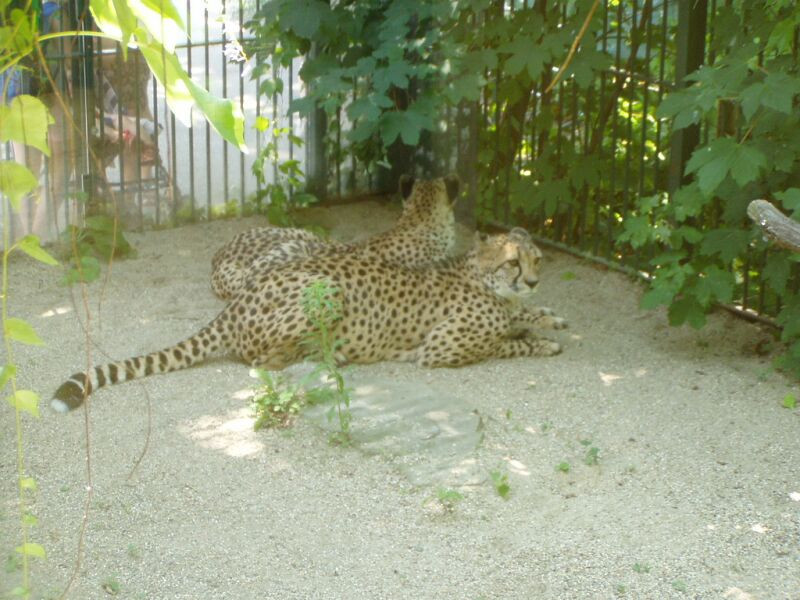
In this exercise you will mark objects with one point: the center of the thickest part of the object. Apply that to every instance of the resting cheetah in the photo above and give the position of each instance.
(451, 314)
(424, 234)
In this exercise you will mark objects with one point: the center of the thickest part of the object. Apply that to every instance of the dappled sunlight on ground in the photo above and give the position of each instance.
(608, 378)
(516, 467)
(231, 433)
(58, 310)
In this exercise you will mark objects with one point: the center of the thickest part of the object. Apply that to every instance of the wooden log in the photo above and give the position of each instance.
(779, 228)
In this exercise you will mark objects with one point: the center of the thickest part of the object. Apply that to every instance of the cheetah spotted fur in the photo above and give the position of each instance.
(424, 234)
(458, 312)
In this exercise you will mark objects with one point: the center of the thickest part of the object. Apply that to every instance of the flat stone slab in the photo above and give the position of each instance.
(431, 436)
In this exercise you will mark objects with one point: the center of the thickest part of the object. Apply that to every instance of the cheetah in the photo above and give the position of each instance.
(460, 311)
(424, 234)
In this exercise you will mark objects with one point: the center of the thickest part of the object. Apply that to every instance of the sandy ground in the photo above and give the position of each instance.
(694, 493)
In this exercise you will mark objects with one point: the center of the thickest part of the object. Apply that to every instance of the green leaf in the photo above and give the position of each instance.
(526, 54)
(31, 549)
(21, 331)
(303, 17)
(790, 200)
(26, 401)
(688, 201)
(161, 19)
(637, 230)
(225, 116)
(715, 285)
(727, 243)
(713, 162)
(26, 120)
(687, 310)
(407, 124)
(394, 74)
(7, 373)
(789, 401)
(27, 483)
(30, 246)
(776, 272)
(682, 107)
(16, 182)
(656, 296)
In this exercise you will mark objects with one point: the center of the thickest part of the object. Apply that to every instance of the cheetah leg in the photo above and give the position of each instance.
(527, 345)
(456, 342)
(527, 319)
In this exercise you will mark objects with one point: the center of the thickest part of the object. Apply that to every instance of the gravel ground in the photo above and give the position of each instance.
(695, 492)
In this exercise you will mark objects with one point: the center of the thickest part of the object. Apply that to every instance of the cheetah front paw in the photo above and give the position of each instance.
(552, 322)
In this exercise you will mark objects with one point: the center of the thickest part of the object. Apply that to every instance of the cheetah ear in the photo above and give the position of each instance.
(520, 233)
(453, 184)
(406, 185)
(478, 239)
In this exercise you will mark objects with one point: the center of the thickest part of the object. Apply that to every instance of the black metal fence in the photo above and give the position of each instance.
(140, 162)
(585, 153)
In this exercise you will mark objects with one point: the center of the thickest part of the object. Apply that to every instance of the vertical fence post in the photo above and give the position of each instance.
(83, 108)
(690, 43)
(316, 159)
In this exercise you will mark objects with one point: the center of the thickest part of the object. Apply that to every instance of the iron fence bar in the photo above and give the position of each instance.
(206, 68)
(192, 203)
(157, 166)
(599, 149)
(225, 174)
(243, 180)
(614, 133)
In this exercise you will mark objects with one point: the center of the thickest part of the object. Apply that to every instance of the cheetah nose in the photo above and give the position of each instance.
(531, 283)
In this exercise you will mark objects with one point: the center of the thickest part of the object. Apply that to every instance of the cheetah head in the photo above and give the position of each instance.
(428, 205)
(509, 263)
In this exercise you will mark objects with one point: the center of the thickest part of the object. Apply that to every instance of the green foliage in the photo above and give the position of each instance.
(749, 93)
(500, 483)
(789, 401)
(99, 239)
(25, 120)
(446, 498)
(592, 457)
(277, 198)
(154, 27)
(15, 183)
(323, 308)
(563, 467)
(276, 402)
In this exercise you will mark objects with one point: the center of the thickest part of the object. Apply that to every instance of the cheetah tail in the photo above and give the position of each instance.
(71, 394)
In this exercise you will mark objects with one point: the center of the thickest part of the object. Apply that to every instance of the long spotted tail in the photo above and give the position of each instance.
(73, 391)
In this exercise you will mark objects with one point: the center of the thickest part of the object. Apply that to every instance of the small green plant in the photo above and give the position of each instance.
(323, 308)
(592, 456)
(641, 568)
(13, 563)
(111, 586)
(563, 466)
(500, 483)
(446, 498)
(789, 401)
(277, 198)
(568, 276)
(680, 586)
(276, 403)
(620, 589)
(99, 239)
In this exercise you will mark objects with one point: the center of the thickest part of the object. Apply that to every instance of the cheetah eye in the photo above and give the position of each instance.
(513, 263)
